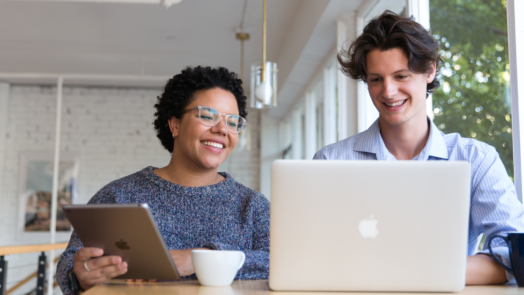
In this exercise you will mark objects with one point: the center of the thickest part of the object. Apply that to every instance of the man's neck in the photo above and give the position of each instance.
(405, 141)
(179, 172)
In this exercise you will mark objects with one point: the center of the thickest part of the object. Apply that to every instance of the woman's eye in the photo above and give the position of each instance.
(207, 118)
(401, 77)
(232, 124)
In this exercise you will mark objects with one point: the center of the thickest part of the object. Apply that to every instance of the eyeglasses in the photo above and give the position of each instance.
(210, 117)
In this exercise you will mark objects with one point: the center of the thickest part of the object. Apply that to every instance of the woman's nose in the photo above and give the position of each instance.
(220, 127)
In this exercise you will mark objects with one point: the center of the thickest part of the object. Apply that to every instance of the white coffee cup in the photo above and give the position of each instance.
(215, 267)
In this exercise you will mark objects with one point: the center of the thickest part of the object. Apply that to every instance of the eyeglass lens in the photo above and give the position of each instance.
(210, 117)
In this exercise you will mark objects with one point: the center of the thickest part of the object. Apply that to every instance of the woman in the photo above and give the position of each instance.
(198, 118)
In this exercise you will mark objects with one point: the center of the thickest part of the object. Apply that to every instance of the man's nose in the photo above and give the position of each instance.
(390, 88)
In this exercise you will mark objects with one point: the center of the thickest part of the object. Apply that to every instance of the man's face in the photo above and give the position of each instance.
(398, 94)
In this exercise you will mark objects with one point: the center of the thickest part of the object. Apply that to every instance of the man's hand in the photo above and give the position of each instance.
(482, 269)
(183, 261)
(101, 269)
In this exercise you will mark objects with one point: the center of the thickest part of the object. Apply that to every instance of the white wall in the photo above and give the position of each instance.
(4, 107)
(110, 128)
(269, 151)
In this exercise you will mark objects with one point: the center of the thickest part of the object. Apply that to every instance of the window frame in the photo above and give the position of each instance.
(330, 103)
(514, 9)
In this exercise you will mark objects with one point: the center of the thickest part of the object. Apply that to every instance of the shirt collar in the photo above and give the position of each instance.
(371, 141)
(436, 143)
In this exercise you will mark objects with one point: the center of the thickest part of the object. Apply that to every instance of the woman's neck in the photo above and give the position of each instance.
(178, 173)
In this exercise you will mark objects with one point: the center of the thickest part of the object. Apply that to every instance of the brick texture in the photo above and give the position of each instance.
(109, 128)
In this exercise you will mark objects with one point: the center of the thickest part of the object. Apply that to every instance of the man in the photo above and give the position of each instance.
(398, 59)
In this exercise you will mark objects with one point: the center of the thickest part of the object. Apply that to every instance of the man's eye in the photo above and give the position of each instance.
(206, 118)
(401, 77)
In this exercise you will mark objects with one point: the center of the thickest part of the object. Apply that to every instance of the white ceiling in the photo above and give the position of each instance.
(146, 39)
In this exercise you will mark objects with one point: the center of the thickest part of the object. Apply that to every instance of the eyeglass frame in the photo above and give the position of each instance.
(220, 114)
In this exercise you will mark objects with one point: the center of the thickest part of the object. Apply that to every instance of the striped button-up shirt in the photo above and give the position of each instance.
(495, 208)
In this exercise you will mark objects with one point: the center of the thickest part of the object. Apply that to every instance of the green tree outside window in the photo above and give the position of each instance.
(474, 98)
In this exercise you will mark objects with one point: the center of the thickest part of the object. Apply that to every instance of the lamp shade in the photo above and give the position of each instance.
(264, 90)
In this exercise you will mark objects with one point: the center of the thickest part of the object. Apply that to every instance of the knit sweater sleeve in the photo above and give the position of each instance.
(256, 265)
(65, 264)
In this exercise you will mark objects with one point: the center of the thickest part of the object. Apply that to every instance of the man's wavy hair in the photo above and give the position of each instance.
(180, 91)
(388, 31)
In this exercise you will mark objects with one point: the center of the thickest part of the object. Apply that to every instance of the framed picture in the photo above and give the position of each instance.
(35, 194)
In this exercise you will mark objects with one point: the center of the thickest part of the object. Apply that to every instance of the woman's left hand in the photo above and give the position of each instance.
(183, 261)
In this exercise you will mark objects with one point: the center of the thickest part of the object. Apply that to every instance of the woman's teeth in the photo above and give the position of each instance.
(213, 144)
(395, 104)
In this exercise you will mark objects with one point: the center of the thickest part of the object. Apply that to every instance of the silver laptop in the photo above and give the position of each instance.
(128, 231)
(369, 225)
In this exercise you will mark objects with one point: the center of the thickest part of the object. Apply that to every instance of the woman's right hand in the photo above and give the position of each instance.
(99, 269)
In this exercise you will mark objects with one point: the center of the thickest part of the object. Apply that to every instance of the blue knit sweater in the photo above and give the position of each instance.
(223, 216)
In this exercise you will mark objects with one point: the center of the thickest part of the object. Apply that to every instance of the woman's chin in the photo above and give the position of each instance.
(213, 164)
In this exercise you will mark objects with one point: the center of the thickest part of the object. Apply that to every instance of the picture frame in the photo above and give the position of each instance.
(35, 193)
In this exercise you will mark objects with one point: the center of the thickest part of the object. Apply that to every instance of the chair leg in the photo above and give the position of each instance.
(40, 279)
(3, 275)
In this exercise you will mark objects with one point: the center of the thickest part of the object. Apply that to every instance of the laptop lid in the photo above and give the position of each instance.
(369, 225)
(128, 231)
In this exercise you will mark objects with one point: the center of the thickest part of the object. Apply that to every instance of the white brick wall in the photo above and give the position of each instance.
(109, 128)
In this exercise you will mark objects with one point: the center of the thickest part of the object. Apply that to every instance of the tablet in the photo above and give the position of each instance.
(128, 231)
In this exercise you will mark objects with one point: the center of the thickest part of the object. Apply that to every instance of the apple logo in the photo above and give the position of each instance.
(122, 245)
(368, 227)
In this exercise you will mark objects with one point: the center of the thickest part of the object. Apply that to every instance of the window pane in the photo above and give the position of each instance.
(397, 6)
(320, 125)
(331, 107)
(474, 99)
(303, 137)
(318, 93)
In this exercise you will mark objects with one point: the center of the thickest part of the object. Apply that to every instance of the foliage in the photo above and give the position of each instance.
(474, 97)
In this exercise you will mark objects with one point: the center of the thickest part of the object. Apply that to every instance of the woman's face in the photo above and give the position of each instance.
(200, 146)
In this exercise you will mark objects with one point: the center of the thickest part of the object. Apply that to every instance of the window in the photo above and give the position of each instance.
(317, 104)
(302, 135)
(319, 113)
(330, 106)
(315, 119)
(285, 138)
(397, 6)
(298, 130)
(474, 98)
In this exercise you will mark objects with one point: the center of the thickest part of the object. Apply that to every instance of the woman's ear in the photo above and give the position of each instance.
(174, 125)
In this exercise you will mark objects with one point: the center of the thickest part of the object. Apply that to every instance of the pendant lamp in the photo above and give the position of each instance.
(264, 78)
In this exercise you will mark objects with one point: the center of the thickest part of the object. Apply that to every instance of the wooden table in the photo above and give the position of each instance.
(254, 288)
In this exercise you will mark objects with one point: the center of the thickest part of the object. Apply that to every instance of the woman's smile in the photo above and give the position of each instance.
(200, 146)
(214, 146)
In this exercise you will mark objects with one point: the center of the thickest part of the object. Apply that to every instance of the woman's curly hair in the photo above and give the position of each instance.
(389, 31)
(180, 90)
